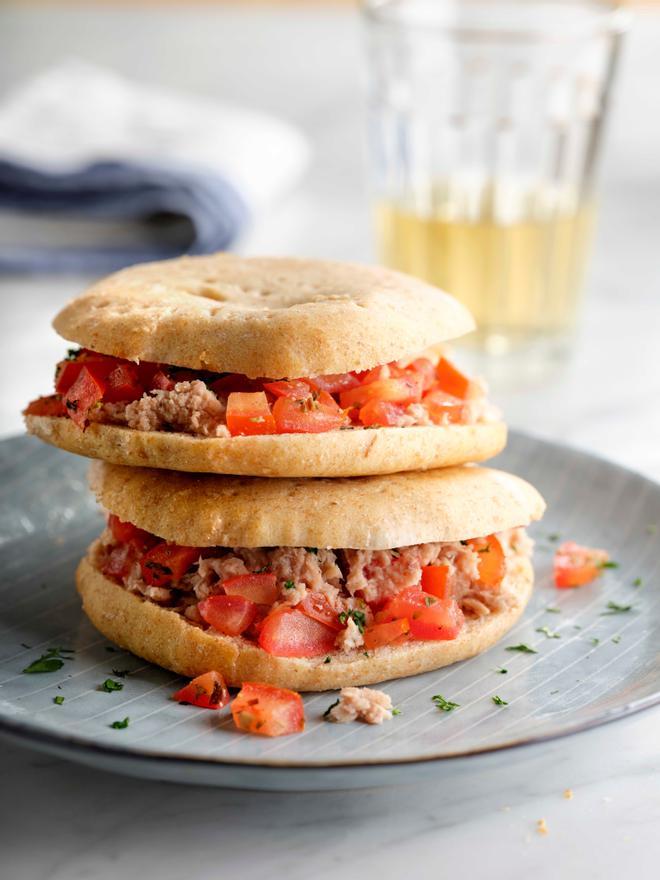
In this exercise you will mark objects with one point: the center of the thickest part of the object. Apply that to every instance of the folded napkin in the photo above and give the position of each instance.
(97, 172)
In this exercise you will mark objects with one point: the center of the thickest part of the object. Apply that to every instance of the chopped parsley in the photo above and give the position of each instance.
(312, 549)
(58, 700)
(110, 685)
(289, 585)
(51, 661)
(120, 725)
(522, 648)
(444, 705)
(327, 712)
(499, 701)
(357, 617)
(111, 650)
(637, 582)
(547, 632)
(554, 537)
(552, 693)
(327, 660)
(616, 639)
(397, 712)
(501, 670)
(595, 642)
(121, 673)
(610, 563)
(615, 608)
(551, 609)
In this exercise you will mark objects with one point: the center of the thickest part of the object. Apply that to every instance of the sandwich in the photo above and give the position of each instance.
(308, 584)
(266, 367)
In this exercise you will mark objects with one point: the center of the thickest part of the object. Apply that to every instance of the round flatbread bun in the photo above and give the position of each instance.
(162, 636)
(275, 317)
(351, 453)
(371, 513)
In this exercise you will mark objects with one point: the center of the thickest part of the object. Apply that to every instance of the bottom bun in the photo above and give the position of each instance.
(164, 637)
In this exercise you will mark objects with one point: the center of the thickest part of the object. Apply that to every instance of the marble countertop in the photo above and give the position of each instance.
(63, 822)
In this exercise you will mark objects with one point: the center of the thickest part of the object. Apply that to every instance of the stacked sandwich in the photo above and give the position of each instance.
(282, 450)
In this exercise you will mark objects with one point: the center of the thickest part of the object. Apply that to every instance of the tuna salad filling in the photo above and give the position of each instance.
(428, 390)
(308, 601)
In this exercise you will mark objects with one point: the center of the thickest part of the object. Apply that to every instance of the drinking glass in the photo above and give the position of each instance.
(486, 122)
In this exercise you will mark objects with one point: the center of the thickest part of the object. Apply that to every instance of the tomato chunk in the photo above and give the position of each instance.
(267, 710)
(260, 587)
(424, 368)
(208, 691)
(296, 389)
(430, 619)
(123, 384)
(380, 412)
(86, 391)
(53, 405)
(119, 562)
(451, 380)
(403, 389)
(317, 606)
(492, 562)
(435, 581)
(311, 415)
(291, 633)
(443, 408)
(127, 533)
(67, 371)
(333, 383)
(166, 563)
(248, 413)
(575, 565)
(230, 615)
(385, 633)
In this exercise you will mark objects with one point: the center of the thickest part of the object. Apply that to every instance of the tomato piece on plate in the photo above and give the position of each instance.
(402, 389)
(208, 691)
(576, 565)
(166, 563)
(291, 633)
(86, 391)
(248, 413)
(385, 633)
(267, 710)
(435, 581)
(451, 380)
(230, 615)
(333, 383)
(123, 384)
(260, 587)
(311, 415)
(443, 408)
(492, 562)
(380, 412)
(296, 389)
(53, 405)
(316, 605)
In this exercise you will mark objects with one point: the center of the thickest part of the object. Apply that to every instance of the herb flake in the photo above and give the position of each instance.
(547, 632)
(615, 608)
(110, 685)
(499, 701)
(444, 705)
(51, 661)
(522, 649)
(120, 725)
(58, 700)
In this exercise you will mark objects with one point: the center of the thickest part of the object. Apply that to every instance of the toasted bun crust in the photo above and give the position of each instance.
(164, 637)
(277, 317)
(451, 504)
(351, 453)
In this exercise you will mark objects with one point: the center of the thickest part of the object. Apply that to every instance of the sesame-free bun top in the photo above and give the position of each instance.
(380, 512)
(269, 316)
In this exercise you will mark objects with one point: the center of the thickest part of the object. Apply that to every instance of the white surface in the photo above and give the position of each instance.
(60, 821)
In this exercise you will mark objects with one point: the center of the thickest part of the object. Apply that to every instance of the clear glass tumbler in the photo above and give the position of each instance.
(486, 121)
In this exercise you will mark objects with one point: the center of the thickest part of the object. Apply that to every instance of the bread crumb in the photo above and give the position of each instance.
(568, 794)
(541, 827)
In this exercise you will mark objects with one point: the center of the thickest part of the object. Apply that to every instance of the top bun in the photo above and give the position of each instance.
(273, 317)
(375, 513)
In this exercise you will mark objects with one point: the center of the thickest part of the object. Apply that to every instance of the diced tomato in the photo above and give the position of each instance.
(230, 615)
(443, 408)
(260, 587)
(87, 390)
(385, 633)
(402, 604)
(160, 381)
(402, 389)
(119, 561)
(167, 563)
(248, 413)
(313, 415)
(451, 380)
(384, 371)
(208, 691)
(268, 710)
(316, 605)
(290, 633)
(296, 389)
(492, 562)
(424, 368)
(127, 533)
(67, 371)
(380, 412)
(123, 384)
(231, 382)
(333, 383)
(429, 618)
(53, 405)
(575, 565)
(435, 582)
